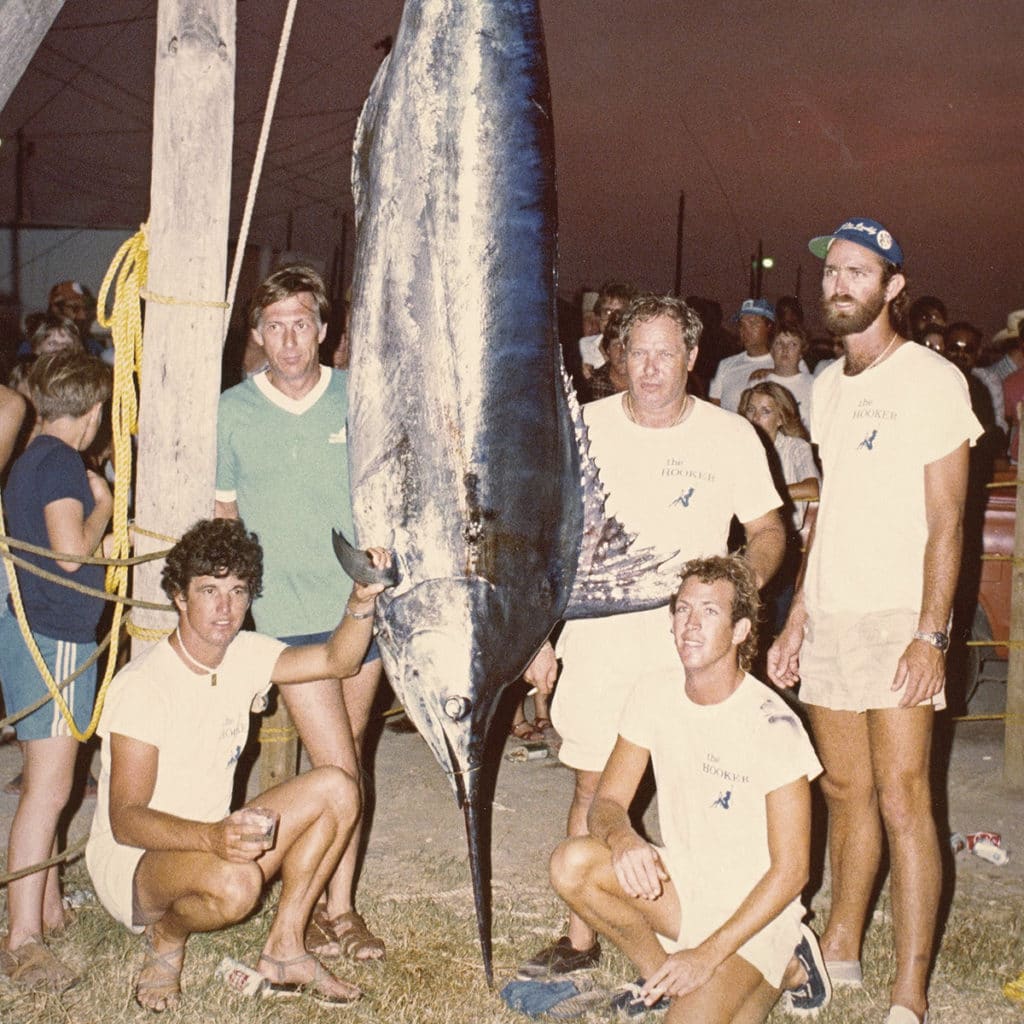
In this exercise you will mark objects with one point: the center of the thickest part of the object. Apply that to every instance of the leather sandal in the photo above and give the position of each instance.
(347, 931)
(279, 988)
(165, 984)
(33, 966)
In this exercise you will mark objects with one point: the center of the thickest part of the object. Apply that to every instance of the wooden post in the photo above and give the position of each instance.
(1013, 743)
(193, 118)
(23, 23)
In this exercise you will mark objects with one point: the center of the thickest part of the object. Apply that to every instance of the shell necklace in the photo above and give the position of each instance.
(192, 661)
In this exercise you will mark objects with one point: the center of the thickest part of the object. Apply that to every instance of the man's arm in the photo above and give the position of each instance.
(783, 660)
(922, 668)
(766, 544)
(789, 830)
(133, 772)
(72, 533)
(635, 861)
(12, 415)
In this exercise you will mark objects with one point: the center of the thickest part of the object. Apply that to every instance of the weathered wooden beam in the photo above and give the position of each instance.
(23, 23)
(193, 115)
(1013, 743)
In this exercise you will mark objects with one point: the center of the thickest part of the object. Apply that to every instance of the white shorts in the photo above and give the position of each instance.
(769, 951)
(602, 659)
(848, 660)
(112, 870)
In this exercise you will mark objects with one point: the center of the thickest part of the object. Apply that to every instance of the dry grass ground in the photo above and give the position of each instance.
(433, 973)
(415, 891)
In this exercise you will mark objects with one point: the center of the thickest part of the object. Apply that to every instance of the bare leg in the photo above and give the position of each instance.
(854, 826)
(901, 751)
(331, 717)
(34, 900)
(581, 935)
(180, 893)
(582, 874)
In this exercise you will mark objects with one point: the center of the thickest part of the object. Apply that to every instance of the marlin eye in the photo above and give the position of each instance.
(456, 708)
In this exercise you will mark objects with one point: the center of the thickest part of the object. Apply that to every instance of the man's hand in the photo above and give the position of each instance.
(238, 837)
(637, 865)
(784, 655)
(680, 974)
(543, 670)
(364, 593)
(920, 673)
(760, 374)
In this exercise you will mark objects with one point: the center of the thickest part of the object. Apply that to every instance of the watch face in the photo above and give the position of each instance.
(939, 640)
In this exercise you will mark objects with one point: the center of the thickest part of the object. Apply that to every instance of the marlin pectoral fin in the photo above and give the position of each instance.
(358, 565)
(612, 575)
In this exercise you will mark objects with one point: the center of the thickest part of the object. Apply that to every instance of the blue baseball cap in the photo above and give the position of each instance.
(862, 231)
(756, 307)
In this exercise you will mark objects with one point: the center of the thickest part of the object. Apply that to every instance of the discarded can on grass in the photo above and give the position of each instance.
(529, 752)
(240, 977)
(987, 850)
(983, 837)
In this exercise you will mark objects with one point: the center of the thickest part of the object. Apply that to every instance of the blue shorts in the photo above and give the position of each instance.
(22, 684)
(372, 652)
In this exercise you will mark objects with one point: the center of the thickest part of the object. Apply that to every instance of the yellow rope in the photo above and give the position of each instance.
(146, 632)
(172, 300)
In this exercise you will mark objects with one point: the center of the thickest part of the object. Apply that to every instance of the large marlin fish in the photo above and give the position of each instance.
(466, 450)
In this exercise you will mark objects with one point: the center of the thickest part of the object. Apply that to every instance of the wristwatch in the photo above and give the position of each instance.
(937, 640)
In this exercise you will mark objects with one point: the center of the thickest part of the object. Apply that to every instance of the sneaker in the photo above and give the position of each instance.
(559, 958)
(630, 1003)
(816, 992)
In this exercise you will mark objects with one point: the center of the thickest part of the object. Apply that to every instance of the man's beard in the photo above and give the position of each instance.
(856, 320)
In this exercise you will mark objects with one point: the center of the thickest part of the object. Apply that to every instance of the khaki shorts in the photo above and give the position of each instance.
(602, 659)
(848, 660)
(768, 951)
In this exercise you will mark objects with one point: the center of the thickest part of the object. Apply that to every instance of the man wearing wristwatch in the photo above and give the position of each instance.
(866, 635)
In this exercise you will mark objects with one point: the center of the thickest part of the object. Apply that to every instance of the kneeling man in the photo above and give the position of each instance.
(712, 919)
(165, 856)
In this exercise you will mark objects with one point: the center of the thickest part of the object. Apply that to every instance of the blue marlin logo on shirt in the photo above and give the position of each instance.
(723, 800)
(235, 756)
(869, 441)
(684, 498)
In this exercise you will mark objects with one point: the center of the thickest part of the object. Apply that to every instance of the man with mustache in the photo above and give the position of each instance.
(867, 633)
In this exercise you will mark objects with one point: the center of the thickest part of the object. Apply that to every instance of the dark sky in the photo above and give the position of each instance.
(778, 119)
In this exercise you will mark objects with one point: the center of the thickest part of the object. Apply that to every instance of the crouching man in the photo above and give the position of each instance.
(712, 919)
(165, 856)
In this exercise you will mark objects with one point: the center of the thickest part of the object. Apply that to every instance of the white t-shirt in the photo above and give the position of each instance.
(876, 432)
(799, 386)
(714, 766)
(732, 377)
(198, 728)
(590, 350)
(677, 489)
(797, 462)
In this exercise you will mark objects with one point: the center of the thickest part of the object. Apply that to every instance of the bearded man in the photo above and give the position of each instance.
(867, 633)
